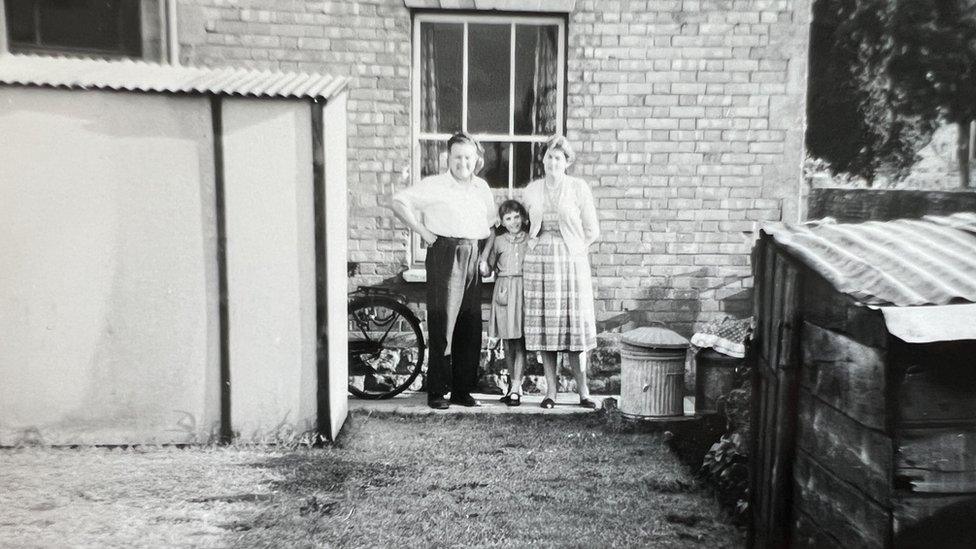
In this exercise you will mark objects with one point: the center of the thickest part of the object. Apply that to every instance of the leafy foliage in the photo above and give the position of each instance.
(726, 467)
(884, 75)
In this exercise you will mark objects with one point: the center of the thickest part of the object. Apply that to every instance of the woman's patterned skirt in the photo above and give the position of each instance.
(558, 293)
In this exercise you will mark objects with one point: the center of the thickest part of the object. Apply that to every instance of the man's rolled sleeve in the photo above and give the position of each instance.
(413, 197)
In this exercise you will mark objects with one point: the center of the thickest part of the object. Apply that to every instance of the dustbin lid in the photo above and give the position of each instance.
(653, 337)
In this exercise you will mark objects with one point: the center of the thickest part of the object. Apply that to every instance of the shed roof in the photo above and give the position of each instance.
(33, 70)
(906, 262)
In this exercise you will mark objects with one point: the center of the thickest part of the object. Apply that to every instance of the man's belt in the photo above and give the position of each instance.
(455, 240)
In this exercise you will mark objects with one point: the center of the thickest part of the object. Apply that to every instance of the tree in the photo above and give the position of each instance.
(884, 75)
(930, 53)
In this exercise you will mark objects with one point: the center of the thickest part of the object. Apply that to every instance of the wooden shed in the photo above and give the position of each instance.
(864, 414)
(174, 253)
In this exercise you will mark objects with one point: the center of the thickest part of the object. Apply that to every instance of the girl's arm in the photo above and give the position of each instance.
(487, 255)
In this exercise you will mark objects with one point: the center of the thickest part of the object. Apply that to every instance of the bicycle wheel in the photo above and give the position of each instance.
(386, 348)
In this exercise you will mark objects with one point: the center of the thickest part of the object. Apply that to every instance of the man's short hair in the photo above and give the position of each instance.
(466, 139)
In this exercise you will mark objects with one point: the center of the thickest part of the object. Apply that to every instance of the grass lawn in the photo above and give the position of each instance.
(389, 481)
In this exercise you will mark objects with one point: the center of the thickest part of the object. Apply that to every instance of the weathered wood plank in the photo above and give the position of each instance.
(759, 294)
(849, 376)
(939, 513)
(824, 306)
(769, 291)
(931, 395)
(941, 461)
(776, 310)
(806, 534)
(836, 507)
(781, 493)
(787, 356)
(855, 453)
(767, 431)
(756, 485)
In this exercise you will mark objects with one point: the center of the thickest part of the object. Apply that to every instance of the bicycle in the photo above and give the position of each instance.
(387, 349)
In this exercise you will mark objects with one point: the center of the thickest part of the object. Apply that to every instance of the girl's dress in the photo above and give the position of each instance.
(507, 254)
(559, 313)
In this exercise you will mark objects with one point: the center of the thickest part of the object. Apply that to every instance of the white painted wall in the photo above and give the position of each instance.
(108, 301)
(336, 247)
(270, 266)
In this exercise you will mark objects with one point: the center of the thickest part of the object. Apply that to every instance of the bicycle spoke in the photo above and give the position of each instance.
(362, 329)
(390, 327)
(389, 349)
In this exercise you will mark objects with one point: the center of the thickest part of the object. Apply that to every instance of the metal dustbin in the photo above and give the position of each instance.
(652, 372)
(715, 378)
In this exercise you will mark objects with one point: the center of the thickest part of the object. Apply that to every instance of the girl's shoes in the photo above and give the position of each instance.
(548, 403)
(513, 399)
(587, 403)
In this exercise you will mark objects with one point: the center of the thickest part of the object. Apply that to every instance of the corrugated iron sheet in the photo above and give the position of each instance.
(32, 70)
(907, 262)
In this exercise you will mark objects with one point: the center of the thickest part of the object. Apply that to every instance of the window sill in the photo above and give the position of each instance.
(414, 275)
(420, 276)
(556, 6)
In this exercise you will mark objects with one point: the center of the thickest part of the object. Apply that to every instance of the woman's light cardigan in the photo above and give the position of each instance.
(577, 213)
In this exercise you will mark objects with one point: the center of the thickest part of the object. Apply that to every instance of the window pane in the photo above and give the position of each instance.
(536, 74)
(441, 47)
(110, 26)
(528, 163)
(20, 22)
(433, 157)
(495, 171)
(489, 48)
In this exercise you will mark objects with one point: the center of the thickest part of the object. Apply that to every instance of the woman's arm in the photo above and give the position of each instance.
(532, 198)
(591, 224)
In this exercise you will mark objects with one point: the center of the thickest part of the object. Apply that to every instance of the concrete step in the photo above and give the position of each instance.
(411, 403)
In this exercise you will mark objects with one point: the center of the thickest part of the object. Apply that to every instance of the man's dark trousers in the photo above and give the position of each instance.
(453, 316)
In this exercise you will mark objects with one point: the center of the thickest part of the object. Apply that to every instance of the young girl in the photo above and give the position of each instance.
(504, 255)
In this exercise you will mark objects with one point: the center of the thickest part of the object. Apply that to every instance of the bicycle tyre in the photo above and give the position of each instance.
(412, 321)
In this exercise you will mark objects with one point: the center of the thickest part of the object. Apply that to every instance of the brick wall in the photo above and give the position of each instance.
(688, 115)
(368, 41)
(690, 120)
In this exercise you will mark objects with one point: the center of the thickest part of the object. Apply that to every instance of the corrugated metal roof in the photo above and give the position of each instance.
(906, 262)
(32, 70)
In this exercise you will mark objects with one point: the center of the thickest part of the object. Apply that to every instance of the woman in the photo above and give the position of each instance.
(558, 290)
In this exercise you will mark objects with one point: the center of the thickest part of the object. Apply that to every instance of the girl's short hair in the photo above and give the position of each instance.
(560, 143)
(510, 206)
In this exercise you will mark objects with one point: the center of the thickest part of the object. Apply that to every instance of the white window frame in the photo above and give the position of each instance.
(156, 18)
(465, 19)
(972, 142)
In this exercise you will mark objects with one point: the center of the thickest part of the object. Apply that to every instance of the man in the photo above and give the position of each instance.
(452, 212)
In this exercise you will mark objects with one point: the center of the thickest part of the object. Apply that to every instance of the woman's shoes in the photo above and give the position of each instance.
(587, 403)
(514, 399)
(548, 403)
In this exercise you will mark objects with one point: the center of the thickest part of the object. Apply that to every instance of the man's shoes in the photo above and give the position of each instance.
(464, 400)
(438, 403)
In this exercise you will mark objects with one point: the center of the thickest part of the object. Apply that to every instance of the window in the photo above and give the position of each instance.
(499, 78)
(93, 28)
